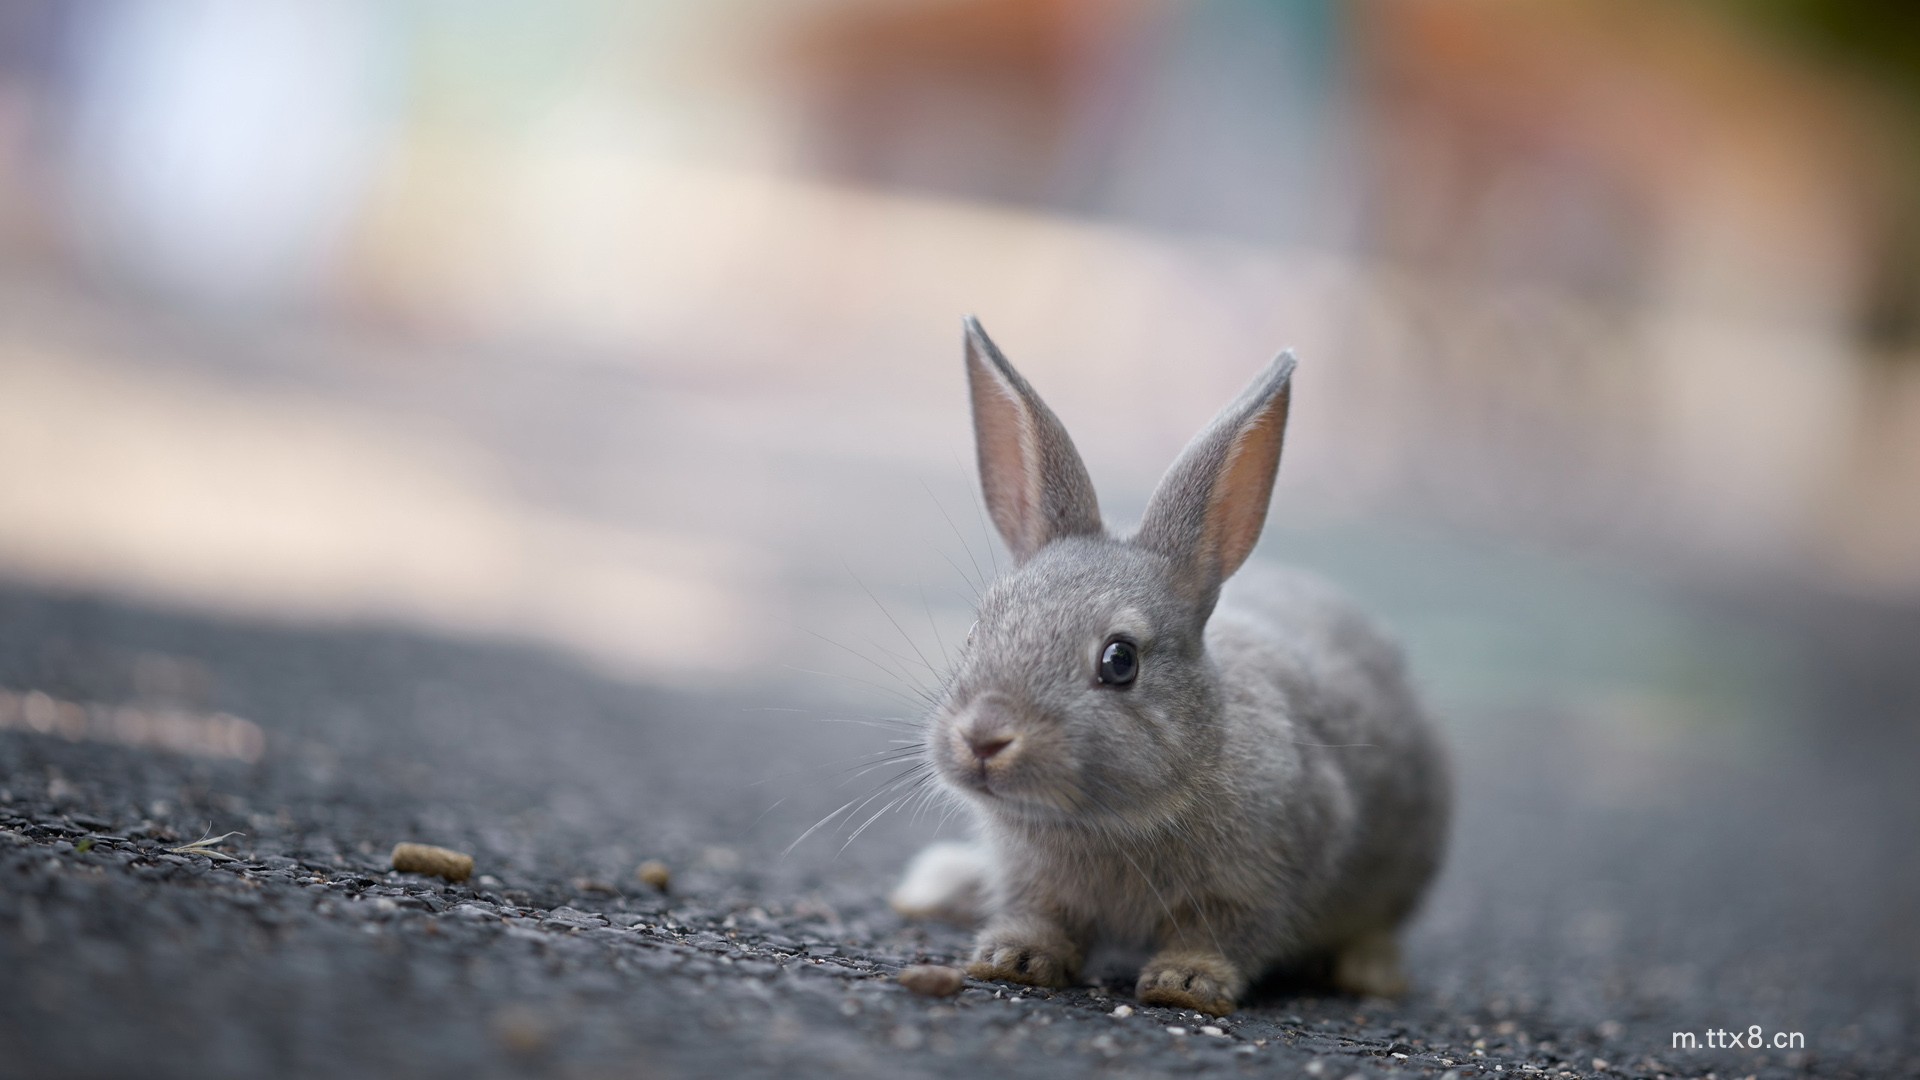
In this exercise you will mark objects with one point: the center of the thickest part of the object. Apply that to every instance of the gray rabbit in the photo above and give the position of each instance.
(1236, 788)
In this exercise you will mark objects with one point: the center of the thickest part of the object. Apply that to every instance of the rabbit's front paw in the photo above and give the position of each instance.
(1203, 982)
(1013, 959)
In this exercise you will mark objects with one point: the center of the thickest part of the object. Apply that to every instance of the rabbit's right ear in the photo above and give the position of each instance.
(1207, 513)
(1036, 486)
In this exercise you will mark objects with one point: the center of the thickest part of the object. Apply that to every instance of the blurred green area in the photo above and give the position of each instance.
(1874, 40)
(1875, 43)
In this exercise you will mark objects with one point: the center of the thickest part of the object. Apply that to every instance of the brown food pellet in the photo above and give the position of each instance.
(437, 861)
(655, 873)
(933, 980)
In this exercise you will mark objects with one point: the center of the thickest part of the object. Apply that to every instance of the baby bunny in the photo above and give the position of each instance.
(1237, 782)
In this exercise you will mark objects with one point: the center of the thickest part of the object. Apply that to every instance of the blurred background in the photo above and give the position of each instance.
(632, 330)
(627, 336)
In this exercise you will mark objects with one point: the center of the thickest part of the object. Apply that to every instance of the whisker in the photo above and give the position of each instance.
(895, 691)
(929, 792)
(980, 511)
(891, 673)
(864, 768)
(850, 804)
(859, 761)
(1125, 854)
(888, 723)
(883, 725)
(975, 598)
(758, 818)
(977, 585)
(934, 625)
(912, 790)
(1204, 921)
(904, 636)
(908, 776)
(952, 809)
(913, 722)
(903, 660)
(1336, 745)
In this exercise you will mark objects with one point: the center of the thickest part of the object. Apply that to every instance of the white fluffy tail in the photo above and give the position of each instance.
(947, 881)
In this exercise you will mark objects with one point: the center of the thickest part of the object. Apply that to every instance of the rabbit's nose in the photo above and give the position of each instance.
(986, 745)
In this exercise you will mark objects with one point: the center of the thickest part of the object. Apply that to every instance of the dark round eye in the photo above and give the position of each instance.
(1119, 662)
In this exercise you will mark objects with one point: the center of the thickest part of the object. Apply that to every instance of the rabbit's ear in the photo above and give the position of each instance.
(1036, 486)
(1207, 512)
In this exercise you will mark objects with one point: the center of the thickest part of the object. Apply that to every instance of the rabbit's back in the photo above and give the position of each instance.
(1319, 711)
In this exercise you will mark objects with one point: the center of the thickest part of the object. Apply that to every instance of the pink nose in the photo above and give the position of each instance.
(986, 745)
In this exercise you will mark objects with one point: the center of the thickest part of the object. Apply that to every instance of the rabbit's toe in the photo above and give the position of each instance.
(1021, 962)
(1208, 984)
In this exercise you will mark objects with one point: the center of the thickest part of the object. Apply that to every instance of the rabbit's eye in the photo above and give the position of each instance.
(1119, 662)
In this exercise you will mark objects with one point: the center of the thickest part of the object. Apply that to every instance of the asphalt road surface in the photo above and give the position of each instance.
(1602, 896)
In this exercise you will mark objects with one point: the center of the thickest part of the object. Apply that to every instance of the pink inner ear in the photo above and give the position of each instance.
(1237, 505)
(1009, 462)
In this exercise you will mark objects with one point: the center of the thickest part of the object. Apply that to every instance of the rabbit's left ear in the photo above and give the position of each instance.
(1207, 513)
(1036, 486)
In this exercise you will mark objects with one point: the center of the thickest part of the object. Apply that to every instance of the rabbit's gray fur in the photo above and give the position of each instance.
(1265, 792)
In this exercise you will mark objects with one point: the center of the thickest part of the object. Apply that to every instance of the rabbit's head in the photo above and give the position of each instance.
(1084, 692)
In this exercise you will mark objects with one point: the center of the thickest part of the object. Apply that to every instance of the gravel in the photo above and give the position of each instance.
(1598, 899)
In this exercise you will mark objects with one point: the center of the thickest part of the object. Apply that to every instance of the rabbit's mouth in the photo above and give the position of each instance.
(1011, 792)
(975, 777)
(999, 792)
(986, 780)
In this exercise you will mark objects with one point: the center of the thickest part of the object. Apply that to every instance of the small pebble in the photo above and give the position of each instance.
(1176, 1031)
(436, 861)
(655, 873)
(933, 980)
(1209, 1029)
(1122, 1011)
